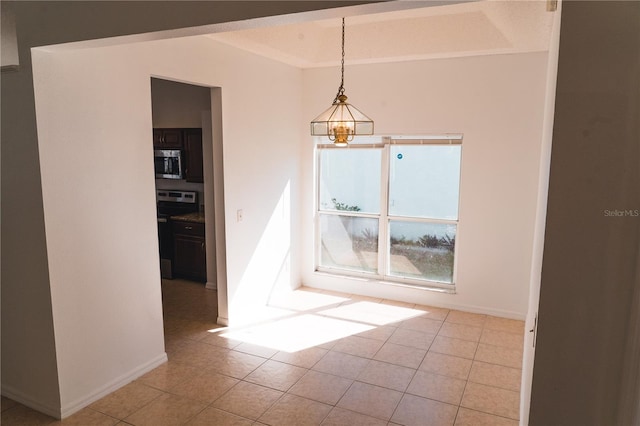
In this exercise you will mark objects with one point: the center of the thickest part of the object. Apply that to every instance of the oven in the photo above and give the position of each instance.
(171, 203)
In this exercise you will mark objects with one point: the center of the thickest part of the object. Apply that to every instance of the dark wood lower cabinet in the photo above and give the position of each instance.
(189, 252)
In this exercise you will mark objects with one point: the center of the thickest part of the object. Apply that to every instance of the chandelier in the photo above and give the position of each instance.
(341, 121)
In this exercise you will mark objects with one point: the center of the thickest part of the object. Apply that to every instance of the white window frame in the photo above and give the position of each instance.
(383, 274)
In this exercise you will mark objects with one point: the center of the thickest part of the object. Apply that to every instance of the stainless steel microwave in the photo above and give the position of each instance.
(168, 163)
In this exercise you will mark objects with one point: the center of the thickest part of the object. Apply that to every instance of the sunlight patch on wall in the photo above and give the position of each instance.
(268, 268)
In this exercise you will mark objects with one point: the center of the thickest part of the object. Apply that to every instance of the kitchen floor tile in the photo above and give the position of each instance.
(446, 365)
(371, 400)
(468, 417)
(126, 400)
(467, 318)
(417, 411)
(398, 303)
(496, 375)
(169, 375)
(381, 333)
(358, 346)
(425, 325)
(343, 365)
(341, 417)
(7, 403)
(504, 324)
(167, 410)
(206, 387)
(400, 355)
(412, 338)
(276, 375)
(502, 338)
(212, 416)
(455, 347)
(305, 358)
(218, 339)
(492, 400)
(460, 331)
(499, 355)
(437, 387)
(175, 342)
(24, 416)
(236, 364)
(194, 330)
(432, 312)
(198, 355)
(248, 400)
(256, 350)
(292, 410)
(86, 417)
(387, 375)
(321, 387)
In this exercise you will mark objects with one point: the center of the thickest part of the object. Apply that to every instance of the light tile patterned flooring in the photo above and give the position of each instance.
(330, 359)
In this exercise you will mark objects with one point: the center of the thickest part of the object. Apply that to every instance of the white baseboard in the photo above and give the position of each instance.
(404, 294)
(211, 286)
(25, 399)
(223, 321)
(68, 409)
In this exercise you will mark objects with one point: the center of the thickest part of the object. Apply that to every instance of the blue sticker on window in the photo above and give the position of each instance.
(399, 156)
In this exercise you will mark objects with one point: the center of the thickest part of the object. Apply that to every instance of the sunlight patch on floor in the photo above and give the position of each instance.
(372, 313)
(315, 319)
(297, 333)
(301, 300)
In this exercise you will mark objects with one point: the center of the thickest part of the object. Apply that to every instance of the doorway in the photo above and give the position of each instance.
(185, 200)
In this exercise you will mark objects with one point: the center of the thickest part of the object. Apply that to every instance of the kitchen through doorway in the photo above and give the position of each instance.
(184, 192)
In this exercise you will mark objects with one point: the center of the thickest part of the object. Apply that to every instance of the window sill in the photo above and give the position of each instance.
(426, 285)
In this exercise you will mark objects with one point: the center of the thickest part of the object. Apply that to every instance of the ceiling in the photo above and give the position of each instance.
(426, 32)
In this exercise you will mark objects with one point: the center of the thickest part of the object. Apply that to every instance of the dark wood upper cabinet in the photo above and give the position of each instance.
(167, 138)
(193, 155)
(190, 142)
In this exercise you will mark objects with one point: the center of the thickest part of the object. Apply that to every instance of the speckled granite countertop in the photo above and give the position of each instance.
(197, 217)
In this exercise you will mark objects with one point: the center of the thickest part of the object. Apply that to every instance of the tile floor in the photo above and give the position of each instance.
(322, 359)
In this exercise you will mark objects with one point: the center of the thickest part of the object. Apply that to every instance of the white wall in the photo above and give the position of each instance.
(93, 107)
(176, 104)
(497, 103)
(96, 162)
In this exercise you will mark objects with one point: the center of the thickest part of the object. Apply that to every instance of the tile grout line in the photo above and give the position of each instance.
(466, 382)
(418, 369)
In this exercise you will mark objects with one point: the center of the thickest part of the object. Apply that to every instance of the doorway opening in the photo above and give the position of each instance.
(186, 202)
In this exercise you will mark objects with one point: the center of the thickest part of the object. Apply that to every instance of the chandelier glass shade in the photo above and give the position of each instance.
(341, 121)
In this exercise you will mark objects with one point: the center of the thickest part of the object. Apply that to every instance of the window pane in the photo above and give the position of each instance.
(424, 181)
(349, 243)
(350, 180)
(422, 250)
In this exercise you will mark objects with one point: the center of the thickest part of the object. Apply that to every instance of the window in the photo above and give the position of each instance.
(389, 210)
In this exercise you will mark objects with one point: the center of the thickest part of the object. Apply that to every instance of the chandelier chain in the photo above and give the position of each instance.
(341, 88)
